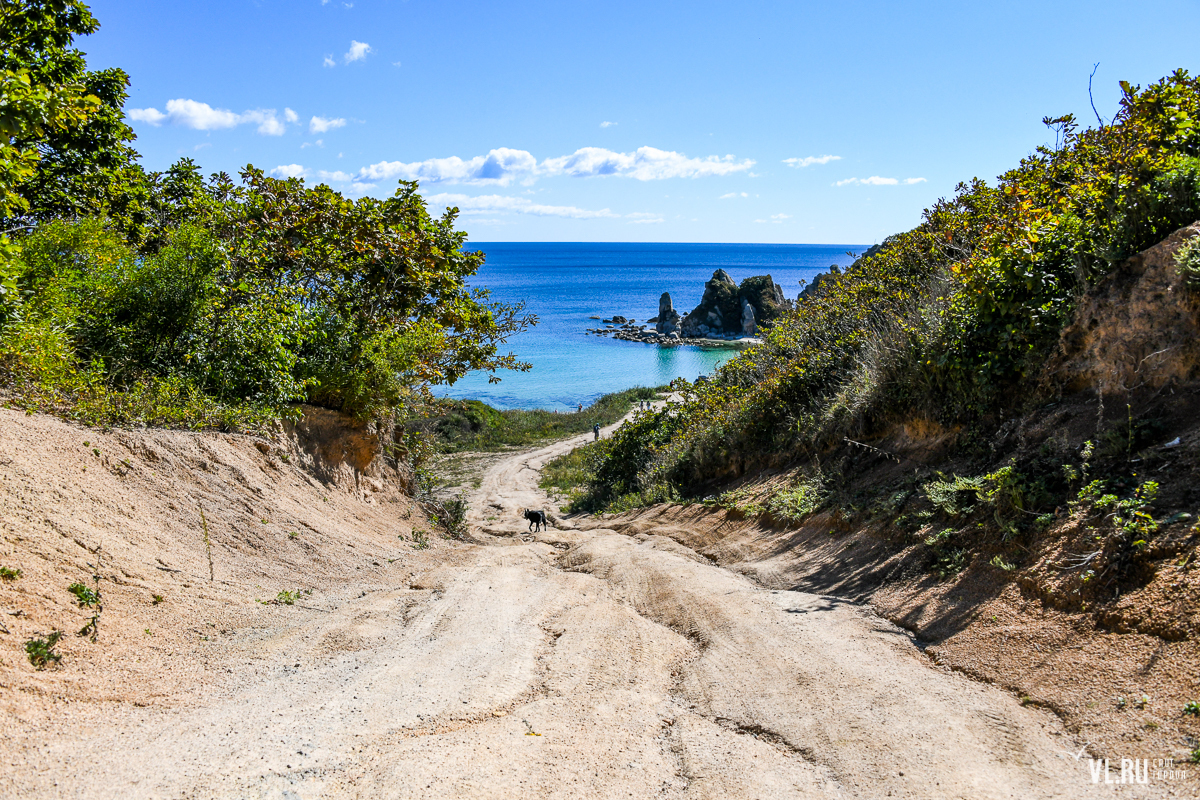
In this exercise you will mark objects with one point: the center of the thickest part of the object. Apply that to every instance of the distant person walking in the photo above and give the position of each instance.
(596, 430)
(581, 408)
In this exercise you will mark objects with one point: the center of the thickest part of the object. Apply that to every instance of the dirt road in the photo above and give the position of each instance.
(579, 663)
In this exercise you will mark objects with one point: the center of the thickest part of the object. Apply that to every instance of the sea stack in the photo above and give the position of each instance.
(668, 317)
(728, 310)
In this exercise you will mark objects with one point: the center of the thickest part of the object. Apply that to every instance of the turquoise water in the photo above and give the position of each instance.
(565, 283)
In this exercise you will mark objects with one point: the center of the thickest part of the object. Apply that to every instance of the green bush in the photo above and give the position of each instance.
(40, 649)
(1187, 261)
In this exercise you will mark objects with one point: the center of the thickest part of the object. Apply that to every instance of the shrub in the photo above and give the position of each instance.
(84, 596)
(40, 649)
(1187, 261)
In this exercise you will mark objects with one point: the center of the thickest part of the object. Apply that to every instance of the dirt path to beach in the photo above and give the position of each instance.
(572, 663)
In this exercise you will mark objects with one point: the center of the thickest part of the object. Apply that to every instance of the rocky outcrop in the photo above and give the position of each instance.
(667, 320)
(727, 309)
(719, 306)
(816, 288)
(765, 296)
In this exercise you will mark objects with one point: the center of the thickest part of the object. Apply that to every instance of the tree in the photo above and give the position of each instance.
(65, 119)
(382, 283)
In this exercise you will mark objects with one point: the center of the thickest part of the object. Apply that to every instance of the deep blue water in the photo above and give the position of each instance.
(565, 283)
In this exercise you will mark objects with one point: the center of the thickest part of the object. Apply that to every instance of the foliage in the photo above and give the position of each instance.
(224, 326)
(450, 514)
(85, 596)
(66, 150)
(1000, 563)
(946, 321)
(40, 649)
(570, 474)
(1187, 261)
(10, 574)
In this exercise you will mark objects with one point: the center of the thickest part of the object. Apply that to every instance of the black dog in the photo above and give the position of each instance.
(535, 518)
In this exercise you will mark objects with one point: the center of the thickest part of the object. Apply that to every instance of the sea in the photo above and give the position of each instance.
(567, 283)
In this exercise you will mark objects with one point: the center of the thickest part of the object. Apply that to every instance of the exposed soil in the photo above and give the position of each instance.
(598, 658)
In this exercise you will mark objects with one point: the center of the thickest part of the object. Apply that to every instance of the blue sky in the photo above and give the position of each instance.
(632, 121)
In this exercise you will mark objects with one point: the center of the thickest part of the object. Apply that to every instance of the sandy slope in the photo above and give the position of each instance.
(573, 663)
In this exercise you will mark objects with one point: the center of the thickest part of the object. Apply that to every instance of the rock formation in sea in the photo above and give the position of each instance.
(728, 309)
(667, 320)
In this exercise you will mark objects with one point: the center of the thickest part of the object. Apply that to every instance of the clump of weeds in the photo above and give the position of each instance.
(288, 597)
(40, 649)
(85, 596)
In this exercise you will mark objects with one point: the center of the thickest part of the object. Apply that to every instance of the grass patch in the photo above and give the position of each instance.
(569, 475)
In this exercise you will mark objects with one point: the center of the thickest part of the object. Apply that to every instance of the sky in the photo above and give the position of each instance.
(798, 122)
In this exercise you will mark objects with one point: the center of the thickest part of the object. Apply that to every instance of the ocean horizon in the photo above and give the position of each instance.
(566, 283)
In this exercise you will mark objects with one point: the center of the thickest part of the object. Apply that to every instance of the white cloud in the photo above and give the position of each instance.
(268, 123)
(490, 203)
(290, 116)
(339, 176)
(202, 145)
(358, 51)
(808, 161)
(321, 124)
(149, 115)
(876, 180)
(643, 218)
(498, 168)
(503, 165)
(775, 219)
(200, 116)
(607, 124)
(732, 194)
(203, 117)
(329, 62)
(361, 188)
(644, 164)
(289, 171)
(396, 64)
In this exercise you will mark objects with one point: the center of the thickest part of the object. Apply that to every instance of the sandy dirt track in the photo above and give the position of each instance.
(576, 663)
